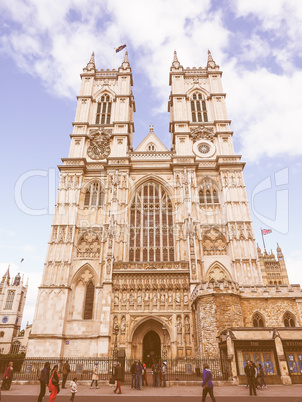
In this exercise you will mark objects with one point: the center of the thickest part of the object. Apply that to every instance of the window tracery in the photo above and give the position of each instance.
(289, 320)
(94, 196)
(258, 320)
(208, 194)
(151, 225)
(103, 114)
(198, 108)
(214, 243)
(89, 299)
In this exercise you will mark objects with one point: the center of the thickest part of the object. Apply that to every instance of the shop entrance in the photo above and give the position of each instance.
(151, 348)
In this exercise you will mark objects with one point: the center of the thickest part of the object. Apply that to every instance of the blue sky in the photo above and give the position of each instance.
(44, 46)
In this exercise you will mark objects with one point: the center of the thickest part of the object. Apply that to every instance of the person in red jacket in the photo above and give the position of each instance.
(53, 384)
(8, 376)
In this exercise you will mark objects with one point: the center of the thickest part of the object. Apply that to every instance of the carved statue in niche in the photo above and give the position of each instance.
(123, 325)
(162, 298)
(154, 298)
(187, 325)
(124, 300)
(131, 298)
(115, 322)
(116, 299)
(147, 297)
(179, 325)
(170, 298)
(186, 299)
(139, 297)
(177, 298)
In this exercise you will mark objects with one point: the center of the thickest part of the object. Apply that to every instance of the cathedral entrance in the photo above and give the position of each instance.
(151, 348)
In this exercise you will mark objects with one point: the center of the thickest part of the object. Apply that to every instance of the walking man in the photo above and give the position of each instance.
(66, 371)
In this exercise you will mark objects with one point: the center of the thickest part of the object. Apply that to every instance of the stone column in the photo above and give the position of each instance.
(285, 378)
(231, 356)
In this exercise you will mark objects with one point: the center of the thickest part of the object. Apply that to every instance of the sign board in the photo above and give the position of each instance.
(28, 369)
(188, 368)
(79, 369)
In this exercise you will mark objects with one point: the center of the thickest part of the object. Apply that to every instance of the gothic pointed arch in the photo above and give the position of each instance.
(218, 272)
(289, 320)
(83, 293)
(208, 193)
(214, 242)
(258, 320)
(151, 224)
(92, 194)
(198, 104)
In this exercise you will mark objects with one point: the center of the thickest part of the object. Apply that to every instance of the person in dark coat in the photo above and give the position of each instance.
(66, 371)
(250, 375)
(207, 383)
(44, 379)
(133, 374)
(261, 376)
(118, 377)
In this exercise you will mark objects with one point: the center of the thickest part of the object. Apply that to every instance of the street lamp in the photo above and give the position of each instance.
(164, 345)
(115, 329)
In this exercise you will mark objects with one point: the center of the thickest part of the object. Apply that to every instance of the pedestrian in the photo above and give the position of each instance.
(118, 377)
(74, 388)
(8, 377)
(145, 374)
(207, 383)
(250, 375)
(95, 376)
(54, 383)
(66, 371)
(139, 371)
(261, 375)
(133, 374)
(163, 374)
(44, 379)
(257, 385)
(155, 370)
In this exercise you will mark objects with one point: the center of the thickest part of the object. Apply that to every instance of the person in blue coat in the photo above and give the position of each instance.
(207, 383)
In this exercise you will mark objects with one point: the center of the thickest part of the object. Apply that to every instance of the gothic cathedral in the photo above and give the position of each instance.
(153, 249)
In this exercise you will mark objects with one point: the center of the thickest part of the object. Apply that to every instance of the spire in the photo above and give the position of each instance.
(259, 250)
(175, 63)
(91, 63)
(151, 128)
(125, 63)
(6, 276)
(211, 62)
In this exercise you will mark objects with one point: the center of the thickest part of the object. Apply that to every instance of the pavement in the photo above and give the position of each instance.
(270, 393)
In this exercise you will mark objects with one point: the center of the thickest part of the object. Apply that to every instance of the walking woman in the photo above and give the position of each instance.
(54, 384)
(8, 377)
(207, 383)
(118, 377)
(95, 376)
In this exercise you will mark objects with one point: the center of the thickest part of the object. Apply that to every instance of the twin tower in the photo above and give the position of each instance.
(153, 247)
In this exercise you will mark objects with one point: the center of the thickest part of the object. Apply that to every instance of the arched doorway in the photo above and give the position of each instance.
(151, 347)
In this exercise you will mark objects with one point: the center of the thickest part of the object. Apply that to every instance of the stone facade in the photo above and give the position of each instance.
(152, 250)
(13, 293)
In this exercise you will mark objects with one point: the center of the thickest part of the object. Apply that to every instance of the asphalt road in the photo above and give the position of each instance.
(140, 398)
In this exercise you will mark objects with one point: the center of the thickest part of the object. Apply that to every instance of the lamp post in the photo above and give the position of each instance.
(164, 345)
(116, 329)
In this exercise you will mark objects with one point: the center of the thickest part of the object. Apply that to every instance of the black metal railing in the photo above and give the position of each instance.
(28, 369)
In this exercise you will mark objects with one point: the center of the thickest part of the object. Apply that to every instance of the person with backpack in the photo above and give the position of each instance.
(54, 383)
(66, 371)
(207, 384)
(44, 379)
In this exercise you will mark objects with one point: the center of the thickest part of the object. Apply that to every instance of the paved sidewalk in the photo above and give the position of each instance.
(188, 391)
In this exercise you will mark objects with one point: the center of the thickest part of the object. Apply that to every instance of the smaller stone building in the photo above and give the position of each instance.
(12, 300)
(261, 323)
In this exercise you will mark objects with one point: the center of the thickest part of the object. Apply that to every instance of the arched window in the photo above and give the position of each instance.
(15, 348)
(103, 114)
(208, 194)
(258, 320)
(89, 298)
(198, 108)
(151, 225)
(289, 319)
(151, 147)
(94, 195)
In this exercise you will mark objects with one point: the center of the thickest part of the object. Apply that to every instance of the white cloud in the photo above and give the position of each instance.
(293, 265)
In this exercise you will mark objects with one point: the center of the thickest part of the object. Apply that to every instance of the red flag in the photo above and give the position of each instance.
(266, 231)
(118, 49)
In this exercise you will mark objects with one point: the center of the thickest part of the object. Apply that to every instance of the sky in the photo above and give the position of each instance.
(44, 46)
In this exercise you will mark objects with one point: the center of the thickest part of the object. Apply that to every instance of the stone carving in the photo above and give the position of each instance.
(179, 325)
(217, 273)
(88, 245)
(116, 299)
(187, 325)
(123, 325)
(205, 133)
(131, 298)
(214, 243)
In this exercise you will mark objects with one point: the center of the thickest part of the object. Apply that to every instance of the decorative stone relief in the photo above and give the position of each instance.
(89, 245)
(214, 243)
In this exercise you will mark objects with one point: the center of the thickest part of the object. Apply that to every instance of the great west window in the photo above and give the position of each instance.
(151, 225)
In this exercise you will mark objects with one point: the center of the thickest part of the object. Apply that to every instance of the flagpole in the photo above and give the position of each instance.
(263, 239)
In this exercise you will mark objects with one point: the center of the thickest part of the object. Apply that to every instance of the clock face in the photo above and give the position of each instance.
(5, 319)
(98, 150)
(204, 148)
